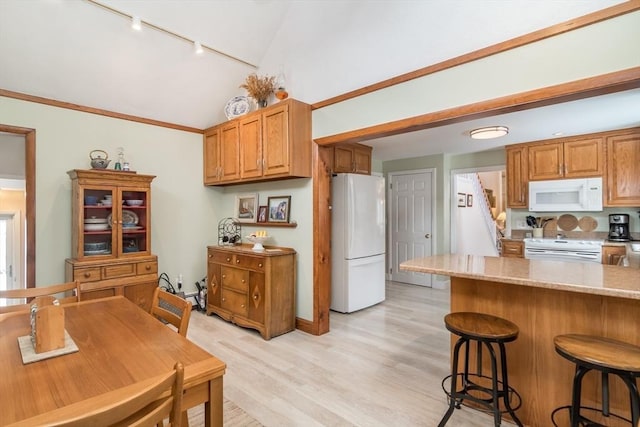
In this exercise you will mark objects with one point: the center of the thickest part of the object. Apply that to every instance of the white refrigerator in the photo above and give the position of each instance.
(357, 242)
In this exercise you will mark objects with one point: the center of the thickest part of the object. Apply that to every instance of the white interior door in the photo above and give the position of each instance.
(7, 276)
(411, 223)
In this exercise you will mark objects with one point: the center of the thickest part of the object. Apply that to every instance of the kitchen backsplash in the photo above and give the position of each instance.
(518, 225)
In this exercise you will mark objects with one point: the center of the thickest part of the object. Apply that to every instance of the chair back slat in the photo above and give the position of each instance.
(172, 309)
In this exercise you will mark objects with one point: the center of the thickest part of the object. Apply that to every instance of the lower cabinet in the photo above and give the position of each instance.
(134, 278)
(611, 255)
(512, 248)
(252, 289)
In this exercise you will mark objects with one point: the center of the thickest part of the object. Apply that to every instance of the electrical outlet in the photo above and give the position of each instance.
(521, 223)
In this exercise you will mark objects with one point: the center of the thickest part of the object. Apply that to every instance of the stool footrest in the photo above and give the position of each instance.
(467, 386)
(584, 421)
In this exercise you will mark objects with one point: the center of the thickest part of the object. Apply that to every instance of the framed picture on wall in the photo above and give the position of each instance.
(262, 214)
(246, 207)
(462, 200)
(278, 209)
(469, 200)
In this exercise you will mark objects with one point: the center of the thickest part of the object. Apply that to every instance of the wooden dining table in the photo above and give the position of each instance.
(118, 344)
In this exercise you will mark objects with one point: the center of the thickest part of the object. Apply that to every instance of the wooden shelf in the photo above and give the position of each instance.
(270, 224)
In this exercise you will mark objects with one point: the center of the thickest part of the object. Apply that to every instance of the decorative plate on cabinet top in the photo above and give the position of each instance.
(128, 218)
(236, 107)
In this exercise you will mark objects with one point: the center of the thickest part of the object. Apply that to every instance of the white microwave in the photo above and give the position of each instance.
(584, 194)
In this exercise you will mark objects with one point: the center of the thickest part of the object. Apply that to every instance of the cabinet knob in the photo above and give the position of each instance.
(148, 267)
(213, 284)
(224, 276)
(260, 265)
(224, 299)
(237, 261)
(228, 259)
(255, 297)
(210, 256)
(87, 274)
(243, 281)
(242, 305)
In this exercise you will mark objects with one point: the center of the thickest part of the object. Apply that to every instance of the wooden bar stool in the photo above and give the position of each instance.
(489, 332)
(606, 356)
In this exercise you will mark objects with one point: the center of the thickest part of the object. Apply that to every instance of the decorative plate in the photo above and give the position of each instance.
(128, 218)
(236, 107)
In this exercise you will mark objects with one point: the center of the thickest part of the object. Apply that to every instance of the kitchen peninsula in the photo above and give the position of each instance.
(545, 299)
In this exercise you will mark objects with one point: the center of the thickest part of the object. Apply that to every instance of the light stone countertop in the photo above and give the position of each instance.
(588, 278)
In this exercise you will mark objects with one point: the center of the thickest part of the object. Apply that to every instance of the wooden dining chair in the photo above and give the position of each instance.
(143, 404)
(71, 291)
(171, 309)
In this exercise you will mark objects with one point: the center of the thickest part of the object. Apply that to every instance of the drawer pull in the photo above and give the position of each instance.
(255, 297)
(210, 256)
(224, 299)
(237, 261)
(228, 259)
(87, 274)
(243, 281)
(242, 305)
(224, 276)
(260, 265)
(214, 284)
(148, 267)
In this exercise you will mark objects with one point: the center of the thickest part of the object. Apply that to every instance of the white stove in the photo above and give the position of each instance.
(564, 249)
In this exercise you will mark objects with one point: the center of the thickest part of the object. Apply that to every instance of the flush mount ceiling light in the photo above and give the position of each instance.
(198, 48)
(489, 132)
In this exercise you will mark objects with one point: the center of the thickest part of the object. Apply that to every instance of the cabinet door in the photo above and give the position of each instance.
(276, 143)
(362, 160)
(96, 222)
(134, 221)
(213, 284)
(545, 161)
(623, 170)
(211, 165)
(511, 249)
(256, 297)
(583, 158)
(343, 161)
(251, 162)
(517, 174)
(229, 153)
(611, 254)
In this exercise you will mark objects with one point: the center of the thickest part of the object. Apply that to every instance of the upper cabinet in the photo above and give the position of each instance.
(352, 158)
(517, 175)
(623, 169)
(271, 143)
(613, 155)
(574, 158)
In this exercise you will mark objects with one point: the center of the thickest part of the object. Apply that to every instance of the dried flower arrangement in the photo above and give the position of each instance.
(259, 88)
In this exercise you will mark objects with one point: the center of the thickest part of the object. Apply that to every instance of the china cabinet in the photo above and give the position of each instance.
(622, 182)
(271, 143)
(111, 235)
(253, 289)
(352, 158)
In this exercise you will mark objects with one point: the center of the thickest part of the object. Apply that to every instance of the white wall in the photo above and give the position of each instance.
(472, 234)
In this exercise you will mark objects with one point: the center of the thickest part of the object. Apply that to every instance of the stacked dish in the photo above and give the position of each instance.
(133, 202)
(96, 224)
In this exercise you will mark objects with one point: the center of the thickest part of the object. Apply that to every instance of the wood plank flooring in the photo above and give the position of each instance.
(381, 366)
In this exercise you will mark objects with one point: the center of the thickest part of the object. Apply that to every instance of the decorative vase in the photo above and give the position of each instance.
(261, 103)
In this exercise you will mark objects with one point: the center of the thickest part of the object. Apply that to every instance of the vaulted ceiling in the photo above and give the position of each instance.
(85, 52)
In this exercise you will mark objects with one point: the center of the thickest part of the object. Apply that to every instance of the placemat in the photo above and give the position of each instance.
(29, 352)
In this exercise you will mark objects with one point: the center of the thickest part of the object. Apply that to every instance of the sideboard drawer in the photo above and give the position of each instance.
(87, 274)
(118, 270)
(149, 267)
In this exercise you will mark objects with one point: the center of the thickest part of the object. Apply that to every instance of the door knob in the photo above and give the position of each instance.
(427, 236)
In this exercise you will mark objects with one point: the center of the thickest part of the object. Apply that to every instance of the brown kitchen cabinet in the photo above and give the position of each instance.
(111, 235)
(252, 289)
(222, 154)
(611, 254)
(272, 143)
(575, 158)
(352, 158)
(512, 248)
(622, 183)
(517, 176)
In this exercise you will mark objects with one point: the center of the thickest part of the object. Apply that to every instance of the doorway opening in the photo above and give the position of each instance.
(478, 210)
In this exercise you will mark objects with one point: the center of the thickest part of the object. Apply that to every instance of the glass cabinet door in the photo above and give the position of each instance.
(134, 221)
(97, 235)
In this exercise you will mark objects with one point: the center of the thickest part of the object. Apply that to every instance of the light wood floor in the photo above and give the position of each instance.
(381, 366)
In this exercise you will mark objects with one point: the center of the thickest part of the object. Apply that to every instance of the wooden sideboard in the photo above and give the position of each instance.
(253, 289)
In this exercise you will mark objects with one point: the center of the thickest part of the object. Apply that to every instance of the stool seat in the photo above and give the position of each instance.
(600, 351)
(481, 325)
